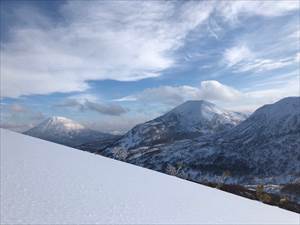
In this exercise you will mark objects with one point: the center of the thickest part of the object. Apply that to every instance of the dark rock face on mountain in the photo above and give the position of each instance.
(65, 131)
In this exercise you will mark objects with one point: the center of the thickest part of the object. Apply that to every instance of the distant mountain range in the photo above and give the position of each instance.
(200, 141)
(265, 148)
(64, 131)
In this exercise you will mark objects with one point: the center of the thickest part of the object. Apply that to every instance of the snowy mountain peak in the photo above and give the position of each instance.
(65, 131)
(186, 121)
(197, 114)
(195, 106)
(198, 109)
(61, 122)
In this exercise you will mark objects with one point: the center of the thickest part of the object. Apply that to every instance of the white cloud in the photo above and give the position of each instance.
(297, 57)
(295, 34)
(116, 40)
(214, 90)
(237, 54)
(170, 95)
(260, 65)
(223, 95)
(256, 98)
(17, 108)
(19, 117)
(82, 105)
(241, 59)
(96, 40)
(232, 11)
(81, 98)
(174, 95)
(120, 124)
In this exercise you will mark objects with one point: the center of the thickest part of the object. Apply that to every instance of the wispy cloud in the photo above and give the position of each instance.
(185, 42)
(116, 40)
(241, 59)
(260, 65)
(120, 124)
(224, 95)
(216, 91)
(170, 95)
(17, 108)
(108, 109)
(233, 11)
(237, 54)
(111, 109)
(174, 95)
(96, 40)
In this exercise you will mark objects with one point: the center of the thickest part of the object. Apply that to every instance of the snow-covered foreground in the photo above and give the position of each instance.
(46, 183)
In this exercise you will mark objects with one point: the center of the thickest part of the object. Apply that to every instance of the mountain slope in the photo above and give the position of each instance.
(189, 120)
(65, 131)
(263, 148)
(269, 139)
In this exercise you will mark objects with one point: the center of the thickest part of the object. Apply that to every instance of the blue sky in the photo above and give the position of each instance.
(111, 65)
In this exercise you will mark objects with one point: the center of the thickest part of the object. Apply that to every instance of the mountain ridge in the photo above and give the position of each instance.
(253, 151)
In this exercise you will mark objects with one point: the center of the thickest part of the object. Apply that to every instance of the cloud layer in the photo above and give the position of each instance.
(174, 95)
(19, 117)
(241, 59)
(227, 52)
(116, 40)
(223, 95)
(96, 40)
(111, 109)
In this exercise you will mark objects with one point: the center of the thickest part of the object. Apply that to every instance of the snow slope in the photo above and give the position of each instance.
(65, 131)
(46, 183)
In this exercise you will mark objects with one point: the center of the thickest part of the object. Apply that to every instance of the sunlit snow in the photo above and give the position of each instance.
(47, 183)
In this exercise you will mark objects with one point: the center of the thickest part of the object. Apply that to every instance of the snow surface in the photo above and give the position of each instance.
(47, 183)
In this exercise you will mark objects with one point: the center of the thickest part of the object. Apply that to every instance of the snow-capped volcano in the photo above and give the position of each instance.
(188, 120)
(64, 131)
